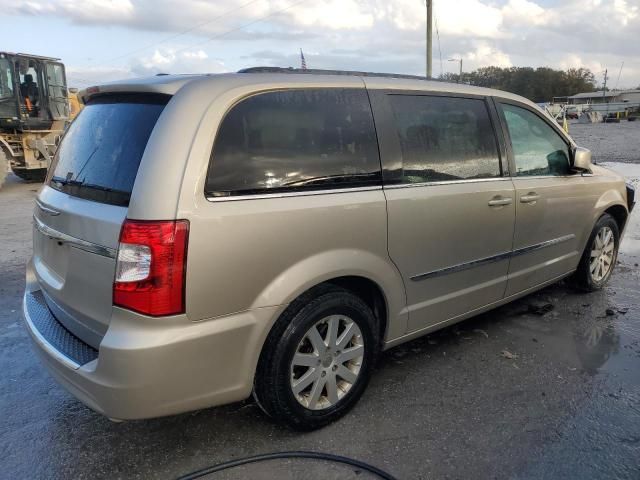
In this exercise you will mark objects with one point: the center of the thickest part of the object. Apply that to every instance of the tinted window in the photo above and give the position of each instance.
(99, 156)
(537, 148)
(295, 140)
(445, 138)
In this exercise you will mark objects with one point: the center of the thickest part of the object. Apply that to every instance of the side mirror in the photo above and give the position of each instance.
(582, 159)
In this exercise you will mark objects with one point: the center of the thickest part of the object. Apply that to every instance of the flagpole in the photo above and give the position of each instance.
(303, 62)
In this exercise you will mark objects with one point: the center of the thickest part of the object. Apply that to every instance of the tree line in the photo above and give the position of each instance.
(537, 84)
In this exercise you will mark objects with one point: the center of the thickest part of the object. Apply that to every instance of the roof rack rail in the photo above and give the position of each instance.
(39, 57)
(316, 71)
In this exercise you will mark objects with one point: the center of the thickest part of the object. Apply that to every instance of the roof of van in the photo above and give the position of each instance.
(289, 77)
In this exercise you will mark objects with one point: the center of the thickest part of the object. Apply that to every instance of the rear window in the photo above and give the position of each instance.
(99, 156)
(295, 141)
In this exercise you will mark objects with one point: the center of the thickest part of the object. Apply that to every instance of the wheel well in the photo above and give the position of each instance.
(370, 293)
(619, 213)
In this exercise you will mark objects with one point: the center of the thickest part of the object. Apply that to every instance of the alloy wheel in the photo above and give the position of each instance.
(327, 362)
(602, 254)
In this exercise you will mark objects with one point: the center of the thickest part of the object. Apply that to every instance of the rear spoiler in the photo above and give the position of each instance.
(164, 84)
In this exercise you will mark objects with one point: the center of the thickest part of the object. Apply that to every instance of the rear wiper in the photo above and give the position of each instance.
(63, 181)
(102, 188)
(92, 186)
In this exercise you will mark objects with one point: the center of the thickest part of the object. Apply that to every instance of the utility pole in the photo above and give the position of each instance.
(604, 93)
(429, 36)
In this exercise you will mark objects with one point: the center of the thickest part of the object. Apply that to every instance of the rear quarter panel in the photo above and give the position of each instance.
(263, 252)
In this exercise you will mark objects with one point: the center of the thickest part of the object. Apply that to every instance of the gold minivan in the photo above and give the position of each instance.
(200, 239)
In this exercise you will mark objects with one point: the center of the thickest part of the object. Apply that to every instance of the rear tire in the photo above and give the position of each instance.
(36, 175)
(317, 359)
(599, 256)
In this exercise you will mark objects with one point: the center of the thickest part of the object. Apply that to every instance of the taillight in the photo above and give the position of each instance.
(151, 267)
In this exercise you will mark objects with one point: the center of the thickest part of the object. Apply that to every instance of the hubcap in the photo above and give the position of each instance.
(602, 253)
(327, 362)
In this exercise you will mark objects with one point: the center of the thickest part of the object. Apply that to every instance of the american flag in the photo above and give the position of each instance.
(303, 62)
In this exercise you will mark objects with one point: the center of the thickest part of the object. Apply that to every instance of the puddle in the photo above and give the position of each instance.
(601, 439)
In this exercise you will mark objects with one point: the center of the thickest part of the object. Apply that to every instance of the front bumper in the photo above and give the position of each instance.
(151, 367)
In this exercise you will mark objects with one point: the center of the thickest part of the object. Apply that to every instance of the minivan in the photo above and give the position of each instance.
(203, 238)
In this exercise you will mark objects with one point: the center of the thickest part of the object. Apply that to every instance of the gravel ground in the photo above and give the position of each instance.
(564, 403)
(609, 142)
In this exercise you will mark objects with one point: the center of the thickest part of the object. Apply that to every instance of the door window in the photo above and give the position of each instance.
(57, 90)
(295, 140)
(537, 148)
(30, 89)
(6, 79)
(445, 138)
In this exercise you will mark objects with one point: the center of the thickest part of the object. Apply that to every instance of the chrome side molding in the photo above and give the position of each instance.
(46, 209)
(72, 241)
(494, 258)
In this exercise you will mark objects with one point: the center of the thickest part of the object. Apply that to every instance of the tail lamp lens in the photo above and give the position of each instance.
(151, 267)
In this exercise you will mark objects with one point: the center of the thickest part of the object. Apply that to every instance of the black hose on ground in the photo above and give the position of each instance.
(328, 457)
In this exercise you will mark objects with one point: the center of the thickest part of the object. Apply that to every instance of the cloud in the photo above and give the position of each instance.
(159, 61)
(385, 35)
(524, 12)
(172, 61)
(333, 14)
(486, 54)
(86, 76)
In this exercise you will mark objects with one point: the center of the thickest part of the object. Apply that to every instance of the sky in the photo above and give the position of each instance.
(104, 40)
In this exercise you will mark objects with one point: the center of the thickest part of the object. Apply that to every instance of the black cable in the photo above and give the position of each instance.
(293, 454)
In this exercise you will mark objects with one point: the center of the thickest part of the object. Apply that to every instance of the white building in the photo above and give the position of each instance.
(613, 101)
(612, 96)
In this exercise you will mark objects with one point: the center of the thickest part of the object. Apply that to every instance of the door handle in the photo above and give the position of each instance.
(500, 201)
(531, 197)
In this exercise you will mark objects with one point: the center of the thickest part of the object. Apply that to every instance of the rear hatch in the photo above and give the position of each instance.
(80, 210)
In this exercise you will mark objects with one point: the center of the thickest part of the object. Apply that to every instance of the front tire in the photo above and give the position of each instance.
(600, 255)
(318, 358)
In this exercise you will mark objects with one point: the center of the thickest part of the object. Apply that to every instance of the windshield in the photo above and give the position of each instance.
(99, 156)
(6, 79)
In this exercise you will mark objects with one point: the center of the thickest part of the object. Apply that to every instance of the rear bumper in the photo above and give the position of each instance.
(151, 367)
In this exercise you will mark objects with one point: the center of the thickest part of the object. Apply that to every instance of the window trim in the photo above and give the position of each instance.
(389, 142)
(509, 146)
(447, 182)
(300, 193)
(374, 185)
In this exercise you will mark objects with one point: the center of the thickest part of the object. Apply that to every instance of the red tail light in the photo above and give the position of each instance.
(151, 267)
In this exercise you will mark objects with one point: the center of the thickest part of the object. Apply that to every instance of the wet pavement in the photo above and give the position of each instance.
(526, 391)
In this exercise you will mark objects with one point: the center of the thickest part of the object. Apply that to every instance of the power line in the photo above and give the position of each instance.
(184, 32)
(179, 34)
(619, 73)
(439, 49)
(233, 30)
(220, 35)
